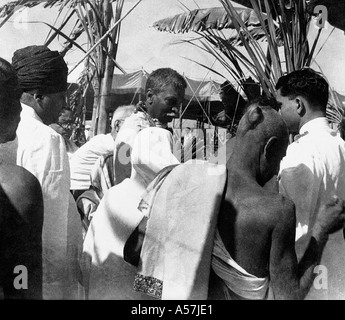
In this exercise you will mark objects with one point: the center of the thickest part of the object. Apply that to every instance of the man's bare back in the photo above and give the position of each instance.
(256, 224)
(252, 213)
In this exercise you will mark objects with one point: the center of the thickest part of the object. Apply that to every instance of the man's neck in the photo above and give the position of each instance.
(244, 161)
(310, 117)
(28, 99)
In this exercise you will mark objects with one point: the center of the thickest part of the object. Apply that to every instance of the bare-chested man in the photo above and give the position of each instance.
(21, 204)
(254, 253)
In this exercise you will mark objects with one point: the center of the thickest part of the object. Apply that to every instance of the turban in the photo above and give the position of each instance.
(39, 68)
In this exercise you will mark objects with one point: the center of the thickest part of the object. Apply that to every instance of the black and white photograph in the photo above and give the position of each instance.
(104, 102)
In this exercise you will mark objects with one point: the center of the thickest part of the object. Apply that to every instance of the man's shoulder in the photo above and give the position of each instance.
(22, 193)
(17, 180)
(95, 140)
(29, 127)
(15, 173)
(298, 152)
(99, 144)
(275, 207)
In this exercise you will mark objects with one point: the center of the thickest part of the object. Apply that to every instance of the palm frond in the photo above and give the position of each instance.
(202, 19)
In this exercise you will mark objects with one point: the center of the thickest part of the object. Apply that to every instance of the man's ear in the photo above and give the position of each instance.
(301, 104)
(149, 96)
(38, 98)
(116, 125)
(254, 117)
(270, 148)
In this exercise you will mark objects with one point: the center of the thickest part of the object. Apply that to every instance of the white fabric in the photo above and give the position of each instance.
(312, 171)
(42, 151)
(112, 223)
(234, 276)
(124, 140)
(117, 214)
(83, 159)
(175, 258)
(71, 148)
(130, 127)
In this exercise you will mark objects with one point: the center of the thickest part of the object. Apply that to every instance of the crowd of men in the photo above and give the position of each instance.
(122, 217)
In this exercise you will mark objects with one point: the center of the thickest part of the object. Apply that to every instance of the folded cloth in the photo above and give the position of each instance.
(176, 253)
(149, 195)
(234, 276)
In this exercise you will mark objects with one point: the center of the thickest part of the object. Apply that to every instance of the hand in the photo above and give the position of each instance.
(331, 216)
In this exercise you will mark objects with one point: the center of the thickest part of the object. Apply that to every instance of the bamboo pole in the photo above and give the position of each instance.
(103, 37)
(107, 80)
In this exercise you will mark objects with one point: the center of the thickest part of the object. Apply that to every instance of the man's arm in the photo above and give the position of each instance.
(289, 279)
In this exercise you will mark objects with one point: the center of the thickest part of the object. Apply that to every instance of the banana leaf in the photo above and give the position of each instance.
(217, 18)
(202, 19)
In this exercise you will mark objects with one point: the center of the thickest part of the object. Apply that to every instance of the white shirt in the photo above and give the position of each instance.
(42, 151)
(312, 171)
(85, 157)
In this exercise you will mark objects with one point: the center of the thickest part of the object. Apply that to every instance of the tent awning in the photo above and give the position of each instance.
(130, 89)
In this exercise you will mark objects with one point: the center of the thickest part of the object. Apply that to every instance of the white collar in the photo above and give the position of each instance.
(315, 125)
(30, 112)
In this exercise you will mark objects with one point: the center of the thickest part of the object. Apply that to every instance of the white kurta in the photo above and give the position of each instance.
(311, 172)
(85, 157)
(42, 151)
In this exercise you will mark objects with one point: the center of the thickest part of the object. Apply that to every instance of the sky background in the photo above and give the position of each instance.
(143, 47)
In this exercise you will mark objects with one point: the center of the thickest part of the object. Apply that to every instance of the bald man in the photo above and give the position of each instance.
(254, 250)
(86, 156)
(21, 204)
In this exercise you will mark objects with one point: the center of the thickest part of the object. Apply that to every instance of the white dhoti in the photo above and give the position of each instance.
(234, 276)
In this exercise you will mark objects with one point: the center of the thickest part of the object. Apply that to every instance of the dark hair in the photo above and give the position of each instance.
(9, 84)
(307, 83)
(163, 77)
(10, 91)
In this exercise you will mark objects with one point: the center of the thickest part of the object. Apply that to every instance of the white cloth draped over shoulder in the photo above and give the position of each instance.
(117, 216)
(176, 254)
(42, 151)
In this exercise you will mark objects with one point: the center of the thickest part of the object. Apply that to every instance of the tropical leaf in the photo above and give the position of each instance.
(202, 19)
(101, 24)
(278, 23)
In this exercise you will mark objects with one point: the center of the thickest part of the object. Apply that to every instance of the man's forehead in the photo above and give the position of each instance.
(172, 90)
